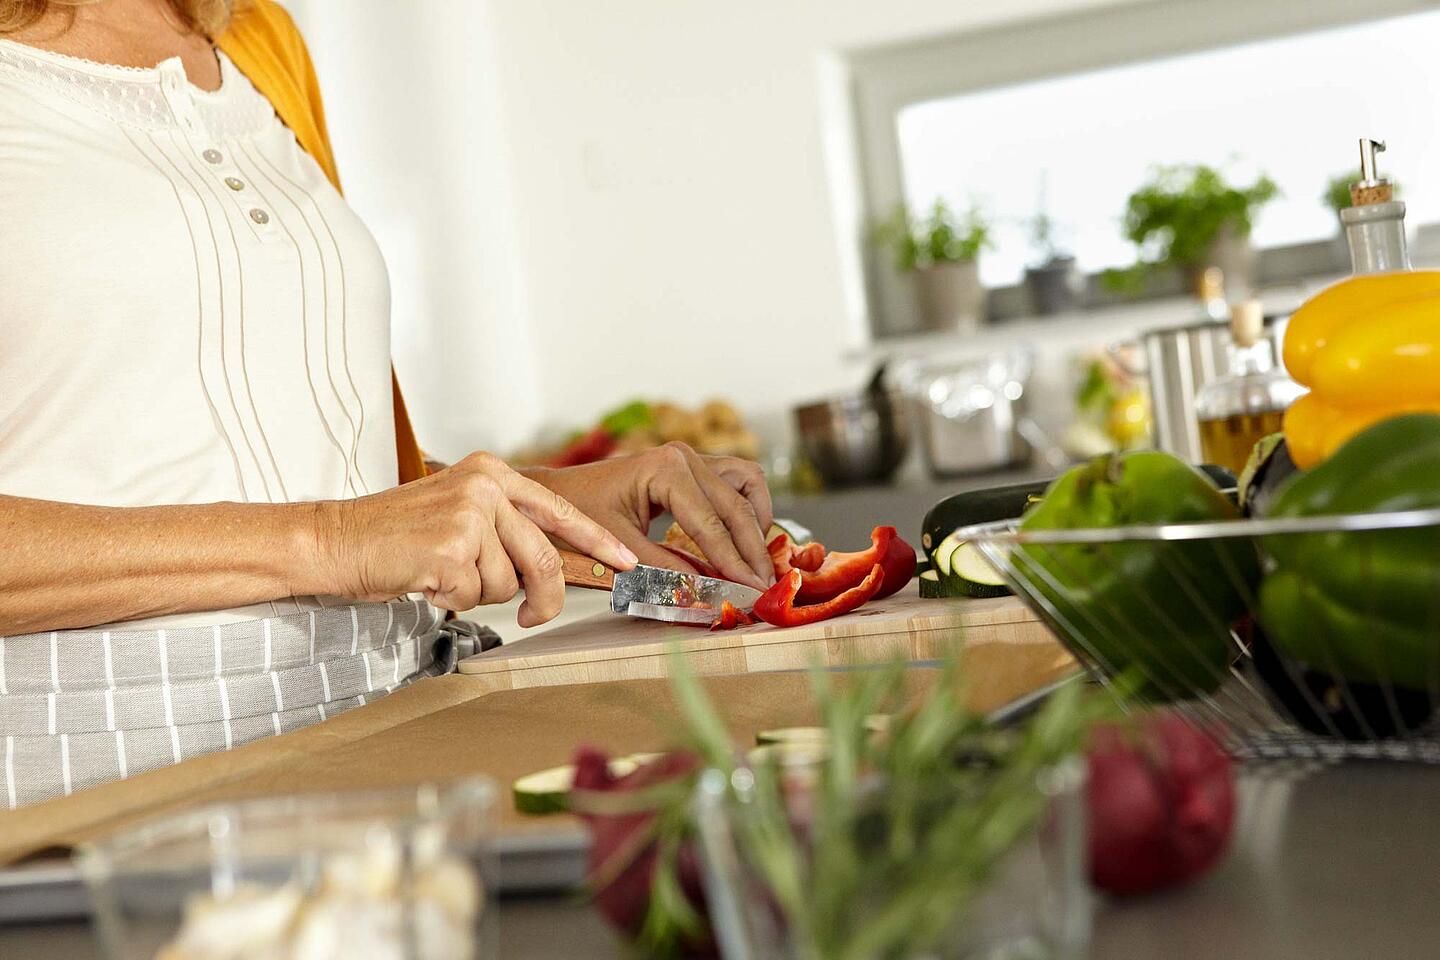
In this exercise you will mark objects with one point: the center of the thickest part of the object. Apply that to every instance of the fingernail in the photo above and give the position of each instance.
(628, 555)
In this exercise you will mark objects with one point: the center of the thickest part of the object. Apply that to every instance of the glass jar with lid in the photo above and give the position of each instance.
(1250, 400)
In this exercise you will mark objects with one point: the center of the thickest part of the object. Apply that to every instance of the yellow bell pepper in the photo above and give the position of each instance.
(1369, 349)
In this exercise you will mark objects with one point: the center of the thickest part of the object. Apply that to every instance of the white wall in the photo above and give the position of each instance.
(415, 113)
(584, 202)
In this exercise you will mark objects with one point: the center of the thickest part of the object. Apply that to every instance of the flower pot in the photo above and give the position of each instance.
(1232, 253)
(951, 297)
(1054, 286)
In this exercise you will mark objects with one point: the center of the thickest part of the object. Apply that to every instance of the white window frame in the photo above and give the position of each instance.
(884, 81)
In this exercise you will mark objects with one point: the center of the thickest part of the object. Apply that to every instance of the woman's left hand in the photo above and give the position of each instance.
(721, 502)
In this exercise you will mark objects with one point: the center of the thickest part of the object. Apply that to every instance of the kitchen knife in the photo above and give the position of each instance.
(656, 593)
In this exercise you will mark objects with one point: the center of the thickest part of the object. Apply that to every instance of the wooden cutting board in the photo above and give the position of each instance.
(1002, 641)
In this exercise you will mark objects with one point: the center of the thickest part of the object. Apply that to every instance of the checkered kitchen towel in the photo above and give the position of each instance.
(82, 707)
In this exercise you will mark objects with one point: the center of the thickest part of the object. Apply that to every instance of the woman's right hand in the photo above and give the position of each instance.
(468, 535)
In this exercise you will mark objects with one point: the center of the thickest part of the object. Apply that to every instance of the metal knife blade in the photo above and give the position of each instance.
(688, 593)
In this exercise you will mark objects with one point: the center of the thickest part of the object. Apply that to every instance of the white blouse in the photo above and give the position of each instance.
(189, 312)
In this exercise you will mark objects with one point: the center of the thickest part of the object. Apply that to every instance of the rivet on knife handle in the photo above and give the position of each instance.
(582, 571)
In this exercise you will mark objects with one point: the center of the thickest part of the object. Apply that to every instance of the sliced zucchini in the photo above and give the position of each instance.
(975, 575)
(944, 553)
(961, 571)
(793, 735)
(544, 792)
(548, 791)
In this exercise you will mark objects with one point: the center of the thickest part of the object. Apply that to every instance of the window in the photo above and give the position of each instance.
(1291, 107)
(1091, 99)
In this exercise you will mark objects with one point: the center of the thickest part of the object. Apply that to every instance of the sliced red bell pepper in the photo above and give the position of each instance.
(839, 572)
(776, 606)
(786, 555)
(781, 553)
(807, 558)
(899, 563)
(731, 617)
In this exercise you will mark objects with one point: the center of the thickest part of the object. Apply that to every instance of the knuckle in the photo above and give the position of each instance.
(480, 488)
(674, 453)
(455, 551)
(547, 563)
(678, 447)
(563, 509)
(487, 462)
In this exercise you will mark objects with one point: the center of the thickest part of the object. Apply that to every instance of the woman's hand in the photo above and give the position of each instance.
(721, 502)
(465, 536)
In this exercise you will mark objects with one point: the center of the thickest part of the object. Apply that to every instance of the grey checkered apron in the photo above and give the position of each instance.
(83, 707)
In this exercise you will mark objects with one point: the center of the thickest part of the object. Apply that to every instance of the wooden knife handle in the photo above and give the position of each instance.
(587, 572)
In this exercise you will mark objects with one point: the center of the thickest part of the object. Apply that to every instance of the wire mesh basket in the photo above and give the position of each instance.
(1314, 638)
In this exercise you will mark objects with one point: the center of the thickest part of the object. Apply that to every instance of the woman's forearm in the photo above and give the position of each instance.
(66, 565)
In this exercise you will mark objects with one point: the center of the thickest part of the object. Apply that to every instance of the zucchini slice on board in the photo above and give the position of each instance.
(961, 571)
(875, 723)
(548, 791)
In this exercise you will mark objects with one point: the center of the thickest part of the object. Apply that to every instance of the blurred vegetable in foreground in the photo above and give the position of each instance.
(1162, 803)
(871, 842)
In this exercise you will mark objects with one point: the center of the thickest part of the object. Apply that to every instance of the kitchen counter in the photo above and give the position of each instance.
(1329, 864)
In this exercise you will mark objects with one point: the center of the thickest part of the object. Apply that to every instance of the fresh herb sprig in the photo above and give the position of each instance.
(903, 828)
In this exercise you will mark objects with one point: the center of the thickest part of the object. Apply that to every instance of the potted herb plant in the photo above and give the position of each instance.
(942, 250)
(1337, 191)
(1053, 283)
(1189, 216)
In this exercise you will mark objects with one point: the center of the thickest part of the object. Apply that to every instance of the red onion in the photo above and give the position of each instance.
(1162, 804)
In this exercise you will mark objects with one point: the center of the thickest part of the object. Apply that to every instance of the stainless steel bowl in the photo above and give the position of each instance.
(856, 439)
(972, 414)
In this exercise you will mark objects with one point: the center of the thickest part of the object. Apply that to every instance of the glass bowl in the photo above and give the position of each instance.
(400, 874)
(1035, 904)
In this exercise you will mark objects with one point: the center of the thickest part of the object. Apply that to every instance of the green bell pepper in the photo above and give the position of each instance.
(1162, 609)
(1364, 605)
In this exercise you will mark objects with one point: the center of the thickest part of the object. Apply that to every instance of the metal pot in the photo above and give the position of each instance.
(1179, 361)
(972, 414)
(855, 439)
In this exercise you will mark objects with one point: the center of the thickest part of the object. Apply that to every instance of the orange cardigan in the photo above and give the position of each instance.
(264, 43)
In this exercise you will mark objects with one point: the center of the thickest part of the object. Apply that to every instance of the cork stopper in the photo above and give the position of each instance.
(1247, 323)
(1211, 285)
(1371, 187)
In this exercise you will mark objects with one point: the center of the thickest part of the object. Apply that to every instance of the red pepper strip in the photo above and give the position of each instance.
(777, 605)
(702, 567)
(841, 571)
(781, 551)
(786, 556)
(731, 617)
(807, 558)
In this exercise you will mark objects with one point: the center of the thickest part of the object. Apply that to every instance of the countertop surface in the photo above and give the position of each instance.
(1333, 863)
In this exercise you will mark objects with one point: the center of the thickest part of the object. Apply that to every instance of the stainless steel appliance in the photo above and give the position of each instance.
(855, 439)
(1178, 362)
(971, 413)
